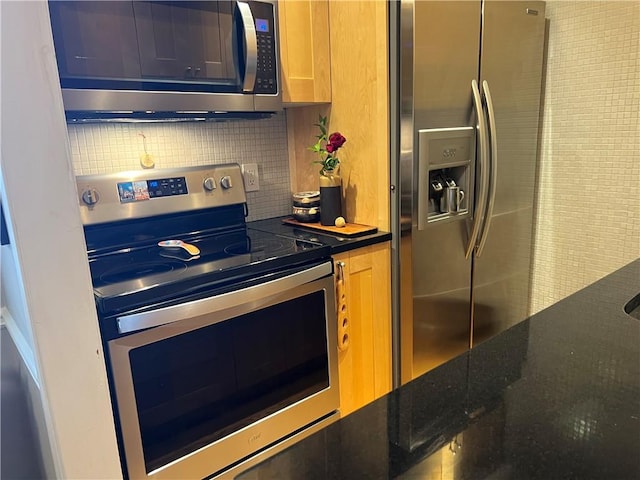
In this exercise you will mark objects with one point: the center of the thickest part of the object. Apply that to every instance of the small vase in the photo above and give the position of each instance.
(330, 196)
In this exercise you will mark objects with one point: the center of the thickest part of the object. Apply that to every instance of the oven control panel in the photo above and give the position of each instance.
(140, 190)
(145, 193)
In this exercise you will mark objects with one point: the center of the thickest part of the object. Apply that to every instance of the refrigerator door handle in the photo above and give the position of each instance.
(493, 162)
(478, 214)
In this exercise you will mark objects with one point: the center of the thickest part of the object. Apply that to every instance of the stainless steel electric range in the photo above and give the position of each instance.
(220, 340)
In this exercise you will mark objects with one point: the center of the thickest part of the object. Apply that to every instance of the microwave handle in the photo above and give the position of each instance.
(250, 46)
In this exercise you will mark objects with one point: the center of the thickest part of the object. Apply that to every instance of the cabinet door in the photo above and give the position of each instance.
(185, 40)
(364, 325)
(304, 51)
(95, 39)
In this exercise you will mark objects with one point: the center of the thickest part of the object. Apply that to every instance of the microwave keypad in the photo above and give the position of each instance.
(266, 74)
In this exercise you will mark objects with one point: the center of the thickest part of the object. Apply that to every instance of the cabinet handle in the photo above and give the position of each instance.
(340, 266)
(341, 305)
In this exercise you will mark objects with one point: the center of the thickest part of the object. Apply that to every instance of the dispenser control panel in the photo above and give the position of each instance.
(445, 174)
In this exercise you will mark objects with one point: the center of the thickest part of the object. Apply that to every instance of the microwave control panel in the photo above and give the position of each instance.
(266, 74)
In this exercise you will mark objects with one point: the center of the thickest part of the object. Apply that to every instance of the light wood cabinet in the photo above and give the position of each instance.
(364, 325)
(359, 110)
(304, 51)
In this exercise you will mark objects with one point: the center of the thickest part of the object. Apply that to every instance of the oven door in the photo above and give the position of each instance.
(208, 383)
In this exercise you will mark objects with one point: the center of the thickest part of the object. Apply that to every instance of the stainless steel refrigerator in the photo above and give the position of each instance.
(464, 165)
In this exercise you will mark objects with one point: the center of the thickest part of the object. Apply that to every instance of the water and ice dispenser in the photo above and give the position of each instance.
(445, 174)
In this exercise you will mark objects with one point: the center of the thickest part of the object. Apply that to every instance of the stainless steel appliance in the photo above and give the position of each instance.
(220, 340)
(468, 76)
(147, 60)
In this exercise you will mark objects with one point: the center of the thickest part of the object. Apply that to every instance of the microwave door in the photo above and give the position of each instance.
(188, 43)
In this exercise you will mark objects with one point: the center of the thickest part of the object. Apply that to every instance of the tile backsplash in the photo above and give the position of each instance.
(588, 220)
(110, 148)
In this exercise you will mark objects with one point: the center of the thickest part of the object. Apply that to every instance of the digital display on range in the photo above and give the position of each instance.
(146, 189)
(133, 191)
(262, 25)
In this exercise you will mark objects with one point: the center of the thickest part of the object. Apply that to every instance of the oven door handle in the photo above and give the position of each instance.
(177, 313)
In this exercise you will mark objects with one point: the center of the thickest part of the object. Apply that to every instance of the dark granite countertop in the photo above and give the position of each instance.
(337, 243)
(555, 397)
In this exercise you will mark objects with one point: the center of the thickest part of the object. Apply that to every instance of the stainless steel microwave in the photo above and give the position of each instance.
(166, 59)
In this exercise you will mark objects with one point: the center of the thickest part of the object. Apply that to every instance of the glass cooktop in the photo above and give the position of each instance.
(128, 278)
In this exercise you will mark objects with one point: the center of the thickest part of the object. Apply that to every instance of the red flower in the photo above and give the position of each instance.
(326, 146)
(336, 140)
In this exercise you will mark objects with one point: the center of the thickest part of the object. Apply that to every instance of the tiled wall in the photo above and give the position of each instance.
(588, 212)
(107, 148)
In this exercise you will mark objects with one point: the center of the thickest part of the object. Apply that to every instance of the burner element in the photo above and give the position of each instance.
(240, 247)
(257, 247)
(124, 273)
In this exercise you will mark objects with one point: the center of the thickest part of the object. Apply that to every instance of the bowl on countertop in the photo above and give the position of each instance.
(306, 199)
(306, 215)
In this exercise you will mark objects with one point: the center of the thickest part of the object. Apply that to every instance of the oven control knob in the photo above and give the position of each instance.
(226, 182)
(209, 184)
(90, 196)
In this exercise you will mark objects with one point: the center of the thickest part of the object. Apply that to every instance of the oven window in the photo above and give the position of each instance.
(197, 387)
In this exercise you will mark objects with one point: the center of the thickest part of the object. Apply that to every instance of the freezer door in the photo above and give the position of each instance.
(511, 64)
(445, 60)
(439, 51)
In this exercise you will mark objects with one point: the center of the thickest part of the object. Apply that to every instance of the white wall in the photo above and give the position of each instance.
(14, 317)
(39, 197)
(13, 301)
(588, 212)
